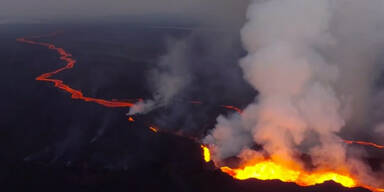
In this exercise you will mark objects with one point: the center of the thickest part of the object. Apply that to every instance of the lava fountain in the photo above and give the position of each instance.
(206, 153)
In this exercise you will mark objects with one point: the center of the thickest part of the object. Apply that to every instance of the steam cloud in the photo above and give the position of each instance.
(167, 78)
(314, 64)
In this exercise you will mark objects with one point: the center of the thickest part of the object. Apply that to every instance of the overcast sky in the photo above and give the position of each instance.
(208, 10)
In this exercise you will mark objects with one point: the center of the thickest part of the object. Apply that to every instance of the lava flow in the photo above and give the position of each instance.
(269, 170)
(70, 63)
(154, 129)
(130, 119)
(77, 94)
(364, 143)
(232, 108)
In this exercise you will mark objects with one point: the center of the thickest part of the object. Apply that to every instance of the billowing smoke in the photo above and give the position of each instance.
(167, 79)
(314, 64)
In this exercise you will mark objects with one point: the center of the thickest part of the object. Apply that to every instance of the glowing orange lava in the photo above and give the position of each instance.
(154, 129)
(77, 94)
(364, 143)
(70, 63)
(232, 108)
(270, 170)
(206, 153)
(130, 119)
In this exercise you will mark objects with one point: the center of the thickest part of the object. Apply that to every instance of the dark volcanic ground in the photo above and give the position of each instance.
(51, 142)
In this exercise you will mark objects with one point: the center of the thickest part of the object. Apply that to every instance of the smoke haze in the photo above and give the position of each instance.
(214, 12)
(167, 79)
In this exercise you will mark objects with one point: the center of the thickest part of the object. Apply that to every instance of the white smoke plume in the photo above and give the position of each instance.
(167, 79)
(313, 62)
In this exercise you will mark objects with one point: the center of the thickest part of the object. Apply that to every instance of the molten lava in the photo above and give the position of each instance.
(130, 119)
(270, 170)
(70, 63)
(364, 143)
(232, 108)
(154, 129)
(206, 153)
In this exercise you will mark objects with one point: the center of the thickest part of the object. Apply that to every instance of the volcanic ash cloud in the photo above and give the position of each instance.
(303, 57)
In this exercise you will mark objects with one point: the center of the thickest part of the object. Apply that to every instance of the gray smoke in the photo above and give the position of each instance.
(314, 64)
(167, 79)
